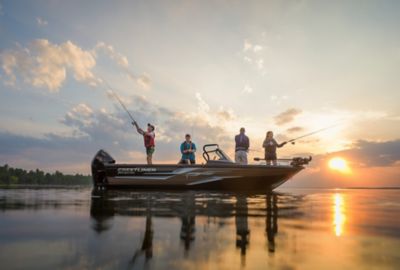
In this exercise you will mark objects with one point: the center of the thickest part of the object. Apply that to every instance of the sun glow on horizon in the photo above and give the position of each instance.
(339, 164)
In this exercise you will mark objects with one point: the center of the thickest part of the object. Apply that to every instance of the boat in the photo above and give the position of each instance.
(218, 172)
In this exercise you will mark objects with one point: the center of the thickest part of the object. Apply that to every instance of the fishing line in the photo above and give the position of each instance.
(315, 132)
(118, 99)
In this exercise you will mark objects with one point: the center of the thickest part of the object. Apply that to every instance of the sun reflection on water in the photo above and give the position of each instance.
(339, 217)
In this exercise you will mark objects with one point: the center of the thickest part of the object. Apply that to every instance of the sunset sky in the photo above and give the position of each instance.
(205, 68)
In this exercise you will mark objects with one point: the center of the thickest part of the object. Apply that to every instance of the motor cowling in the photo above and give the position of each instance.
(98, 167)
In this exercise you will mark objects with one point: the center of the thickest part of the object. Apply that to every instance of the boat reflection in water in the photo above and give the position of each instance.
(297, 229)
(217, 209)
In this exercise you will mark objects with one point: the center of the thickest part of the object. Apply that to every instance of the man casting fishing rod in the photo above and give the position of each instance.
(148, 136)
(149, 142)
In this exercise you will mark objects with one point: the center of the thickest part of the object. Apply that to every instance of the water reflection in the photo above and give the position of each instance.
(272, 221)
(339, 217)
(186, 206)
(70, 229)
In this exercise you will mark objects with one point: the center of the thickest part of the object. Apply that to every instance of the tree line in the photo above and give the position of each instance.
(16, 176)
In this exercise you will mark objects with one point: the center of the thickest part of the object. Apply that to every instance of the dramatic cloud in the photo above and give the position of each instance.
(373, 154)
(44, 65)
(286, 116)
(41, 22)
(111, 130)
(372, 164)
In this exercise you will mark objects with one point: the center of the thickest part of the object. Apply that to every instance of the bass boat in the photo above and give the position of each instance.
(218, 172)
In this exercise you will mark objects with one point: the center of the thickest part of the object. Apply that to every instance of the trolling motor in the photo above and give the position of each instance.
(295, 162)
(299, 161)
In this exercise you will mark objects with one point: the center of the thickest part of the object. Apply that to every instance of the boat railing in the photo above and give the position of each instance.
(219, 155)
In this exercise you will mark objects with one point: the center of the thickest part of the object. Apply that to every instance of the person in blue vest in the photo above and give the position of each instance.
(242, 147)
(188, 148)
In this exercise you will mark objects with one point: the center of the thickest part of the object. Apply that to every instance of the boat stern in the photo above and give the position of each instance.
(99, 161)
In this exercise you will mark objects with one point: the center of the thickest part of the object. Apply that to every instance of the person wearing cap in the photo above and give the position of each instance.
(242, 147)
(149, 142)
(188, 148)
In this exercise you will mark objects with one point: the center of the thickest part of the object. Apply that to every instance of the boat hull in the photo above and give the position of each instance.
(228, 176)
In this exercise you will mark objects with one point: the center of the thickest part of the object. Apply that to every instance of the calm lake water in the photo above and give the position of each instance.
(288, 229)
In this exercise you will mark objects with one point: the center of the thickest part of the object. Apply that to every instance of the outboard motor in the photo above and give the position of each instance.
(98, 168)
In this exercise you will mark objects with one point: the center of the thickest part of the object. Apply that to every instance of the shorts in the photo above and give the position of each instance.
(270, 156)
(187, 161)
(150, 151)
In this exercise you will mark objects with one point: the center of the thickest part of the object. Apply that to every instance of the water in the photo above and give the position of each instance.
(289, 229)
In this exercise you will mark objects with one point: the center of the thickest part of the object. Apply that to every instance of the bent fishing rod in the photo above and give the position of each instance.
(312, 133)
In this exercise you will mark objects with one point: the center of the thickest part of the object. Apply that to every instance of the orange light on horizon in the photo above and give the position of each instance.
(339, 164)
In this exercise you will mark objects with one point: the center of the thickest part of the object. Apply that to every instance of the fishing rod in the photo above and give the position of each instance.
(119, 100)
(312, 133)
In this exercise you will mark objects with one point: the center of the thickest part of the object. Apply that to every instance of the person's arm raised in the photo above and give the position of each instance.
(139, 130)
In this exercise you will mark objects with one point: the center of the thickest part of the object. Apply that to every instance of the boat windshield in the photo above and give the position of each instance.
(212, 153)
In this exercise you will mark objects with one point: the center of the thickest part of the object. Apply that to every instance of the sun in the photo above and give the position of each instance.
(339, 164)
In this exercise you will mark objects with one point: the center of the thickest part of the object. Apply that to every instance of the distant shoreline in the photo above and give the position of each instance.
(61, 186)
(39, 186)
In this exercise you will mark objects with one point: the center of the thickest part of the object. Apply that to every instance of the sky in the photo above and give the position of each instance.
(206, 68)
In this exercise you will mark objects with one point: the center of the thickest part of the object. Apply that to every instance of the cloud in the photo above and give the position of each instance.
(247, 89)
(92, 129)
(120, 59)
(44, 65)
(286, 116)
(203, 107)
(373, 154)
(260, 63)
(278, 99)
(247, 59)
(257, 48)
(225, 114)
(373, 164)
(248, 46)
(143, 80)
(294, 129)
(251, 55)
(41, 22)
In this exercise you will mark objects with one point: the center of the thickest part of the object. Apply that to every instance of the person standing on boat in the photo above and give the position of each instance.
(270, 146)
(188, 148)
(149, 142)
(242, 147)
